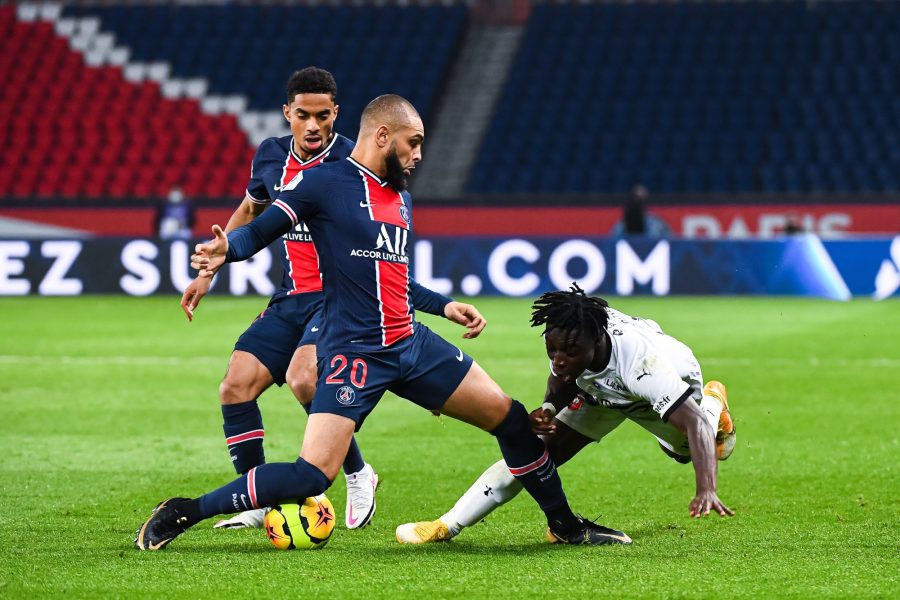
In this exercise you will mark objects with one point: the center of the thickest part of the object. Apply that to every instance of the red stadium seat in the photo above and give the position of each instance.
(118, 139)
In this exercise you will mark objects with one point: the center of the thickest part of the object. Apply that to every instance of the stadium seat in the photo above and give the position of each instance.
(136, 126)
(721, 97)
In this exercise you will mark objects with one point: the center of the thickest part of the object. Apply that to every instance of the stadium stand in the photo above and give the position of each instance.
(73, 131)
(714, 97)
(125, 101)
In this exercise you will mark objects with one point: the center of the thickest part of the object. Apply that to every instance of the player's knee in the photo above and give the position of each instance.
(315, 481)
(303, 386)
(322, 475)
(513, 421)
(235, 390)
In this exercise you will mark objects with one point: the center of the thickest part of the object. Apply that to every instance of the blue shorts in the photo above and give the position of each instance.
(285, 325)
(423, 368)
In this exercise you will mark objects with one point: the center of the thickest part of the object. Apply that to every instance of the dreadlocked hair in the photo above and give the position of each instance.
(572, 311)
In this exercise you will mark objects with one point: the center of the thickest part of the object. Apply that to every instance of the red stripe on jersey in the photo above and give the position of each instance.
(518, 471)
(302, 256)
(304, 261)
(392, 280)
(293, 164)
(385, 204)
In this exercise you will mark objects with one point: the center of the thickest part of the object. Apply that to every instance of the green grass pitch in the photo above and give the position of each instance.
(109, 404)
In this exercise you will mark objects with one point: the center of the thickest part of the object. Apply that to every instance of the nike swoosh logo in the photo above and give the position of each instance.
(314, 329)
(350, 519)
(159, 545)
(460, 357)
(365, 204)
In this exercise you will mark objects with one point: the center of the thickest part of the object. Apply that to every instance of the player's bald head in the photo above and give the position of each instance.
(390, 110)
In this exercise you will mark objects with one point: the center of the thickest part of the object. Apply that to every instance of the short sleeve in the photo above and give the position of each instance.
(654, 379)
(263, 161)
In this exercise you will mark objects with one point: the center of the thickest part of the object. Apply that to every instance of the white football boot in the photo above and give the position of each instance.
(244, 520)
(361, 488)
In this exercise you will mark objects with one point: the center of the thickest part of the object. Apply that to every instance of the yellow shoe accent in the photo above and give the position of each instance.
(424, 532)
(725, 435)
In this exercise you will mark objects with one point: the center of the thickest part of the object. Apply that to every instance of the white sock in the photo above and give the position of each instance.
(711, 409)
(494, 488)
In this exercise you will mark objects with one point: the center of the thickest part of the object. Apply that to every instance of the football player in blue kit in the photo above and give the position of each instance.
(360, 218)
(279, 346)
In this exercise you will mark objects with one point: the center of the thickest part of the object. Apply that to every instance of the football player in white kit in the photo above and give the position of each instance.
(606, 367)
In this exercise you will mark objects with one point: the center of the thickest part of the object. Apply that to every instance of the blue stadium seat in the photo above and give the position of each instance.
(222, 44)
(715, 96)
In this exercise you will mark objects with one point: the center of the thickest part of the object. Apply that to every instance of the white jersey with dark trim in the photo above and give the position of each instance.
(646, 366)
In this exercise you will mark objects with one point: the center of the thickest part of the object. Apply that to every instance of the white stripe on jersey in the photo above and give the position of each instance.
(288, 211)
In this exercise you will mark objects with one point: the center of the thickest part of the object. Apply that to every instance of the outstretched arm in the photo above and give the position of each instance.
(240, 244)
(701, 438)
(199, 287)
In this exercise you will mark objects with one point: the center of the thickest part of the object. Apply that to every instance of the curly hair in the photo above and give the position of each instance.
(571, 310)
(311, 80)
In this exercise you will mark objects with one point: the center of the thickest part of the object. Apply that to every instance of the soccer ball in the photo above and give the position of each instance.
(305, 524)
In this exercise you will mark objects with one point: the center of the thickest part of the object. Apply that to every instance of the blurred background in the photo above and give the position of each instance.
(677, 147)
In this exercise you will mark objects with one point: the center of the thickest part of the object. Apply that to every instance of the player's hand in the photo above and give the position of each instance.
(467, 316)
(542, 421)
(193, 293)
(209, 257)
(706, 501)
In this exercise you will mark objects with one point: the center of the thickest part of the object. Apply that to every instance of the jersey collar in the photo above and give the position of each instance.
(325, 150)
(377, 179)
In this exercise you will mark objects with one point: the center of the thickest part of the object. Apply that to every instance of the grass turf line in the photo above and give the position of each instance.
(109, 404)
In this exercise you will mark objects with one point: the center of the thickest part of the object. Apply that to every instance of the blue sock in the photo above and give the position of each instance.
(244, 435)
(264, 485)
(354, 462)
(528, 461)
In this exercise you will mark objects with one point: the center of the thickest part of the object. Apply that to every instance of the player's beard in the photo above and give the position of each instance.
(395, 176)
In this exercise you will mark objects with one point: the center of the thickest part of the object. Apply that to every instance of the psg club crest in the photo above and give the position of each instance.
(346, 395)
(404, 213)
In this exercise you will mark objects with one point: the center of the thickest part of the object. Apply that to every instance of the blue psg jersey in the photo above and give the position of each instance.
(275, 165)
(361, 227)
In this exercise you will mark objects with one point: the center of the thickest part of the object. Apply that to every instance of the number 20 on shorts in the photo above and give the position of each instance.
(358, 371)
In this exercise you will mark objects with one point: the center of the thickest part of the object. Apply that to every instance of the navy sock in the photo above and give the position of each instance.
(528, 461)
(354, 462)
(264, 485)
(244, 435)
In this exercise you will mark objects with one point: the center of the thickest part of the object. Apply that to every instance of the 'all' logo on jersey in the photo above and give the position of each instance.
(394, 244)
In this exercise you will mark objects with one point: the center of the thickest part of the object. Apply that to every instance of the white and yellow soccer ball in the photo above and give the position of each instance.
(305, 524)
